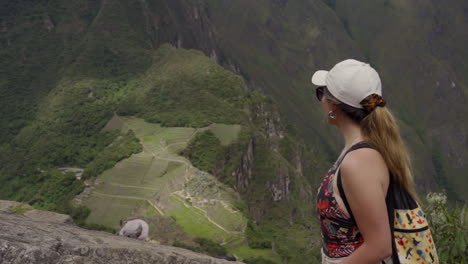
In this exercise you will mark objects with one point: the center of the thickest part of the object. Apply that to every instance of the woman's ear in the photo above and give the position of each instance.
(330, 106)
(334, 107)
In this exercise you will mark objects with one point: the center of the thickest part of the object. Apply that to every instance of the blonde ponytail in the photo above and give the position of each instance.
(383, 131)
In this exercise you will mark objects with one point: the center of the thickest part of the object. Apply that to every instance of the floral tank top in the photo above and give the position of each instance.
(340, 234)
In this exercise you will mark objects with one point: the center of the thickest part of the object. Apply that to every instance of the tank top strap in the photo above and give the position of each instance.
(360, 144)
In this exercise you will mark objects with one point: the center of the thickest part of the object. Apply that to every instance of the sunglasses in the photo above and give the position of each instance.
(319, 92)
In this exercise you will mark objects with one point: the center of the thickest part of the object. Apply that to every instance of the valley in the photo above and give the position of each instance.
(160, 181)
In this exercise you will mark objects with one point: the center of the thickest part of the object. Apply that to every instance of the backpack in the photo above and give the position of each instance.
(412, 240)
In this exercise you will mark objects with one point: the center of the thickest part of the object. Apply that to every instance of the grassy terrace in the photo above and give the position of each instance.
(162, 182)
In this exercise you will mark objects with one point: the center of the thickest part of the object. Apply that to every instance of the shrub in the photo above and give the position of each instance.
(449, 228)
(258, 260)
(210, 247)
(204, 150)
(255, 238)
(205, 246)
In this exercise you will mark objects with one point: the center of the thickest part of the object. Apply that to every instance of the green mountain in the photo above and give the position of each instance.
(107, 67)
(69, 68)
(417, 47)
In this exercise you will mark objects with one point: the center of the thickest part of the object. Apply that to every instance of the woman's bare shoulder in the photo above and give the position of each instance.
(362, 163)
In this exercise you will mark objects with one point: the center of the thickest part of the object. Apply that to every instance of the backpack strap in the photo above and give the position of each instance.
(359, 145)
(390, 201)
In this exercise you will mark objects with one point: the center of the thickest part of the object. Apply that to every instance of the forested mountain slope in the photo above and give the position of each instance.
(68, 67)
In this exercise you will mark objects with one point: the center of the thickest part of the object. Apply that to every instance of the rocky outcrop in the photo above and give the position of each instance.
(280, 187)
(30, 212)
(39, 215)
(136, 228)
(27, 241)
(243, 173)
(272, 125)
(8, 205)
(266, 117)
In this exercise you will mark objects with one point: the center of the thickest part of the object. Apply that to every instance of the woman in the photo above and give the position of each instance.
(351, 96)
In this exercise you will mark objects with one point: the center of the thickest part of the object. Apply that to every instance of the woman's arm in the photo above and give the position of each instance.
(365, 180)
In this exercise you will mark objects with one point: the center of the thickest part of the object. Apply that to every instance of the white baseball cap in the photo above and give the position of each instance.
(350, 81)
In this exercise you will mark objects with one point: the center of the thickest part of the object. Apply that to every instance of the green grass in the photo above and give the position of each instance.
(130, 171)
(195, 223)
(136, 191)
(150, 210)
(157, 169)
(225, 133)
(234, 242)
(227, 219)
(21, 209)
(244, 252)
(108, 211)
(173, 165)
(155, 136)
(176, 172)
(176, 148)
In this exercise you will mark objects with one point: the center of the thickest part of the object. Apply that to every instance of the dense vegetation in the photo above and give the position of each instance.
(56, 101)
(47, 190)
(122, 147)
(103, 75)
(185, 89)
(204, 151)
(30, 172)
(205, 246)
(449, 226)
(258, 261)
(61, 88)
